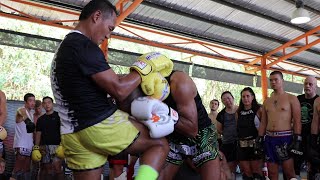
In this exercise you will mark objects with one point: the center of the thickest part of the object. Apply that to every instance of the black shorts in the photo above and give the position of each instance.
(247, 154)
(230, 151)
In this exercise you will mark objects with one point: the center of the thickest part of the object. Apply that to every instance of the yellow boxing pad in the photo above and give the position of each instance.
(158, 62)
(36, 155)
(60, 152)
(3, 133)
(156, 86)
(153, 62)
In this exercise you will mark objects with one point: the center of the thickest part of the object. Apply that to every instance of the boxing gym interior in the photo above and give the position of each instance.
(256, 36)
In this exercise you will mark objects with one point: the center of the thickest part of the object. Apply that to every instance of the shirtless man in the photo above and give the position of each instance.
(214, 105)
(3, 108)
(279, 113)
(3, 118)
(314, 152)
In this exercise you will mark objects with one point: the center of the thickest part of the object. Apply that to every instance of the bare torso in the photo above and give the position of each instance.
(279, 112)
(213, 117)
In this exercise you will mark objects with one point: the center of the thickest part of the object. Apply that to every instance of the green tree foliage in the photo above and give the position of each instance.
(24, 71)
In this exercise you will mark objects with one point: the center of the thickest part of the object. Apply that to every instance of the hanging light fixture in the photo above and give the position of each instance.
(300, 15)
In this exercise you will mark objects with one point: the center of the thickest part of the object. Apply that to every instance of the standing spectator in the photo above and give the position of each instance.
(23, 138)
(36, 115)
(214, 105)
(37, 111)
(248, 120)
(314, 150)
(226, 125)
(3, 118)
(306, 103)
(3, 108)
(281, 123)
(48, 137)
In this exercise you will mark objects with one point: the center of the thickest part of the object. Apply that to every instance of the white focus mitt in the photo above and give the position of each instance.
(156, 115)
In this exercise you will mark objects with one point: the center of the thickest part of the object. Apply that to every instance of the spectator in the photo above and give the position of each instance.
(248, 120)
(23, 138)
(48, 137)
(226, 125)
(214, 105)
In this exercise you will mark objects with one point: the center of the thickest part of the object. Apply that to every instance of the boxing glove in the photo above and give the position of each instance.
(258, 146)
(60, 152)
(30, 126)
(3, 133)
(157, 116)
(296, 145)
(153, 62)
(36, 155)
(144, 107)
(156, 86)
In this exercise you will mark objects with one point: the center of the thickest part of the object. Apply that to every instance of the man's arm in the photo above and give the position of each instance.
(21, 115)
(296, 114)
(264, 120)
(118, 87)
(184, 91)
(38, 132)
(315, 120)
(219, 127)
(37, 138)
(3, 108)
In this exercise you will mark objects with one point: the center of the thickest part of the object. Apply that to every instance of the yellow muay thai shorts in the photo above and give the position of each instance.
(89, 148)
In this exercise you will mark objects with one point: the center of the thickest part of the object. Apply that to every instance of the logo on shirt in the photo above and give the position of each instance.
(306, 113)
(153, 55)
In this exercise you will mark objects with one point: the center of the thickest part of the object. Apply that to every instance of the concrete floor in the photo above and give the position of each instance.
(185, 173)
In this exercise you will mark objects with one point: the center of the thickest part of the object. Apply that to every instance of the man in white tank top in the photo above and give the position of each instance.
(23, 138)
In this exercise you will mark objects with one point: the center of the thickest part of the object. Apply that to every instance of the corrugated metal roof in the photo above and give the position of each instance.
(254, 25)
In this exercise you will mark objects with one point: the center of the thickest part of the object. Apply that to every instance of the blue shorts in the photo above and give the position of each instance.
(276, 146)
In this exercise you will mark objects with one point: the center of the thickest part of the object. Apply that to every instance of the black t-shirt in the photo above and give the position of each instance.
(49, 126)
(245, 124)
(306, 113)
(229, 124)
(81, 103)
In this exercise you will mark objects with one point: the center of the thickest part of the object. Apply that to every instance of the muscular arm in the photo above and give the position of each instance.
(315, 120)
(296, 114)
(264, 120)
(118, 87)
(3, 108)
(184, 91)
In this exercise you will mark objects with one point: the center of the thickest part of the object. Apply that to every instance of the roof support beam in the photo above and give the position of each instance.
(218, 22)
(120, 18)
(128, 11)
(164, 45)
(288, 44)
(39, 5)
(264, 79)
